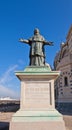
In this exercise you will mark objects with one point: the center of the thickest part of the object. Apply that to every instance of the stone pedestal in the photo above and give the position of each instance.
(37, 105)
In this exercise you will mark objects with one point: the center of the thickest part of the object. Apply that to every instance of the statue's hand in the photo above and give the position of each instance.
(48, 43)
(24, 40)
(51, 43)
(20, 40)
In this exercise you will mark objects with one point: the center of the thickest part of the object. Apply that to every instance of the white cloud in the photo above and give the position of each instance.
(7, 75)
(4, 92)
(6, 81)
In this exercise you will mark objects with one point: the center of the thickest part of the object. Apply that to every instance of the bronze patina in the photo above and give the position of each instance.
(37, 50)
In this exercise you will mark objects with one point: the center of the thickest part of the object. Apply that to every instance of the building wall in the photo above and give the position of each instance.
(63, 62)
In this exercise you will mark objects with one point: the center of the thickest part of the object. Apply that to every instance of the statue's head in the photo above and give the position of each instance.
(36, 31)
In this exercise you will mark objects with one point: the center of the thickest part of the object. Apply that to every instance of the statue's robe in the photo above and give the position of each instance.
(37, 53)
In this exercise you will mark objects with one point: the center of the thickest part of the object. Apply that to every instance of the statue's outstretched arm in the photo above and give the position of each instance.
(24, 40)
(48, 43)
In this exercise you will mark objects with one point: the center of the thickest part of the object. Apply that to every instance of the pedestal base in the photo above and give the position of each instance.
(37, 126)
(37, 105)
(37, 120)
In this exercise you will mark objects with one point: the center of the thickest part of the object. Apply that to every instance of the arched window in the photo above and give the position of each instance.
(65, 81)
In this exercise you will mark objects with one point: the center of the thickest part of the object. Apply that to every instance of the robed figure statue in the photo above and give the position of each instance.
(37, 50)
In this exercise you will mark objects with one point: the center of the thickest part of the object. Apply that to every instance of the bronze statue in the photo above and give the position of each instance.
(37, 51)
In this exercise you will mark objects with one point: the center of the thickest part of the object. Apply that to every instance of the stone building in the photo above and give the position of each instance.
(63, 62)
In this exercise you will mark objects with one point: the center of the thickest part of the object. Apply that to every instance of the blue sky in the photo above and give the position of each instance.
(18, 18)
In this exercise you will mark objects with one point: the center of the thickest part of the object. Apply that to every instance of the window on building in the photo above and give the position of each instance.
(65, 81)
(61, 92)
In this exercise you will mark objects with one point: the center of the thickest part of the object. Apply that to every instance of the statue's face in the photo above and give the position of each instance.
(36, 31)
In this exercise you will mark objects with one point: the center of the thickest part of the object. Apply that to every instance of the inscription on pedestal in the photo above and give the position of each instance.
(38, 92)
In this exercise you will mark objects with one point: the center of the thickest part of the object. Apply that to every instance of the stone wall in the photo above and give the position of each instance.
(63, 62)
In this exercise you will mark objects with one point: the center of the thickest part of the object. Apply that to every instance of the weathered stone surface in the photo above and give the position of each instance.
(37, 106)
